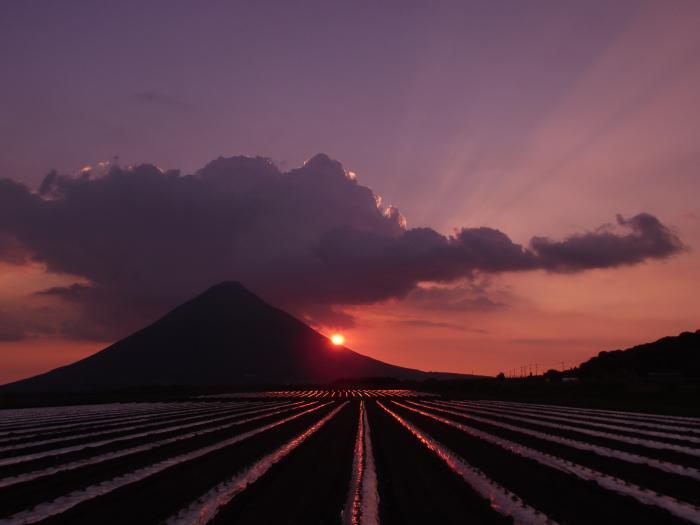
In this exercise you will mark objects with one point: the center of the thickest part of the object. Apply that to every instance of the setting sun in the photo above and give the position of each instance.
(337, 339)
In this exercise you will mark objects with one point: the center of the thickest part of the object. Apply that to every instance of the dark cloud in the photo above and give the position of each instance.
(647, 238)
(394, 264)
(306, 239)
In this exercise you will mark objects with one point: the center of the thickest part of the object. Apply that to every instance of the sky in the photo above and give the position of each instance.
(456, 186)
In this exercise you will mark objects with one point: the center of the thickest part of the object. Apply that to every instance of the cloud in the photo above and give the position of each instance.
(647, 238)
(473, 296)
(309, 239)
(391, 266)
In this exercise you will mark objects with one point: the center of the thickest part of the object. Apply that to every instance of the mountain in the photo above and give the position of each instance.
(226, 336)
(677, 356)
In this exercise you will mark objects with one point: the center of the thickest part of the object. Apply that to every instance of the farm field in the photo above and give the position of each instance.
(321, 393)
(346, 456)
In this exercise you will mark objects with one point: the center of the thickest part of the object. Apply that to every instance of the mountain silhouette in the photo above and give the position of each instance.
(226, 336)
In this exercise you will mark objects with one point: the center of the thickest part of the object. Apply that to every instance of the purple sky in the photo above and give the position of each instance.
(535, 118)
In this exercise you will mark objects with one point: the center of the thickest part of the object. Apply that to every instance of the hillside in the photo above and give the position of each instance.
(669, 357)
(226, 336)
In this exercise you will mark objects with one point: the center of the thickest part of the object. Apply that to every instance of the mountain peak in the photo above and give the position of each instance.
(230, 291)
(227, 287)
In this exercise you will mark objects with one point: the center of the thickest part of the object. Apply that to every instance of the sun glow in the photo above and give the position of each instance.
(337, 339)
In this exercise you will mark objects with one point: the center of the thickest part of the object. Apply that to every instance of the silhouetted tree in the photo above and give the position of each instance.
(553, 375)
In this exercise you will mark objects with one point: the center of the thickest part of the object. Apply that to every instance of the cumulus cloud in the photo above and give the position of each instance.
(307, 239)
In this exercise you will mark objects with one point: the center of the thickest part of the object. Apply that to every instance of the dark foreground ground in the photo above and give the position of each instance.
(677, 398)
(356, 457)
